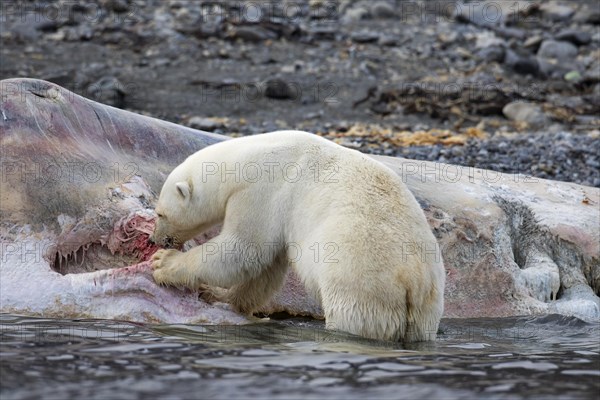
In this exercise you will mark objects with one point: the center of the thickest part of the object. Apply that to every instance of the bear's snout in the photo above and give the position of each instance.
(167, 243)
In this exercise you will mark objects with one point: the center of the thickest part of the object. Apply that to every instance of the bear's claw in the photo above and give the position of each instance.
(162, 264)
(157, 258)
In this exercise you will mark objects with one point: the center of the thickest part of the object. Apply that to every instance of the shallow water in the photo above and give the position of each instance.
(511, 358)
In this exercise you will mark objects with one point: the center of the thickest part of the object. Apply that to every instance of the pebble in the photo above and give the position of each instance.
(205, 124)
(382, 9)
(521, 64)
(279, 89)
(120, 6)
(525, 112)
(108, 90)
(365, 37)
(573, 76)
(251, 33)
(492, 54)
(354, 13)
(488, 39)
(593, 73)
(488, 13)
(512, 33)
(559, 50)
(388, 40)
(533, 41)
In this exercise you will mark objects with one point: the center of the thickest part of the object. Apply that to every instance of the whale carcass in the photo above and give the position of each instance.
(79, 181)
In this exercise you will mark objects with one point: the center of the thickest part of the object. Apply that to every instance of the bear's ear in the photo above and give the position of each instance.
(184, 189)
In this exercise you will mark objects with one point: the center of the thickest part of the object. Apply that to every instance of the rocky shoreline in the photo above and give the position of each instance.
(512, 86)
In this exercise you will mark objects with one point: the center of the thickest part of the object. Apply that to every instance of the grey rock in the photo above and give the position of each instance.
(560, 50)
(521, 64)
(365, 37)
(48, 25)
(202, 30)
(205, 124)
(593, 17)
(388, 40)
(487, 39)
(525, 112)
(25, 32)
(511, 33)
(492, 54)
(533, 42)
(251, 33)
(108, 90)
(587, 15)
(552, 69)
(120, 6)
(488, 13)
(355, 13)
(576, 37)
(572, 102)
(81, 32)
(593, 163)
(382, 9)
(62, 78)
(593, 73)
(279, 89)
(29, 25)
(557, 11)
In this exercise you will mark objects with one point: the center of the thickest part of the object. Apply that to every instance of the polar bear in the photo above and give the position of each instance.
(346, 223)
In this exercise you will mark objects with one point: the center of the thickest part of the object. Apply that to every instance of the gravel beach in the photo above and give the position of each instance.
(512, 86)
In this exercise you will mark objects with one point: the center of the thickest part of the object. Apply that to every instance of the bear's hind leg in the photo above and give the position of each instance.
(364, 313)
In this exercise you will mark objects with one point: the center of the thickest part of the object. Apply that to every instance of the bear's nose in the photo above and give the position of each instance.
(168, 242)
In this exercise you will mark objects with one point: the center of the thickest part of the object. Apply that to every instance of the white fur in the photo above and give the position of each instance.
(347, 224)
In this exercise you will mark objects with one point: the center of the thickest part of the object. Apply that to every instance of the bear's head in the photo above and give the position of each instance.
(183, 210)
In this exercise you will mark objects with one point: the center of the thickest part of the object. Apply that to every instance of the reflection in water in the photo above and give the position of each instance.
(545, 357)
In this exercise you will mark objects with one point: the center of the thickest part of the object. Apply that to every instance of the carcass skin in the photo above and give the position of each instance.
(80, 179)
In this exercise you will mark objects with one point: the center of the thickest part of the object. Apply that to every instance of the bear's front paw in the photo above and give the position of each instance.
(163, 266)
(158, 259)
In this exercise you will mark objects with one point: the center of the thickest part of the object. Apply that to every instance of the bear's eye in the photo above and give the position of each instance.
(160, 215)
